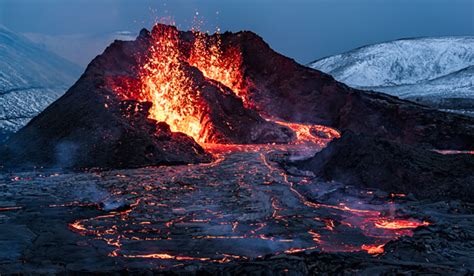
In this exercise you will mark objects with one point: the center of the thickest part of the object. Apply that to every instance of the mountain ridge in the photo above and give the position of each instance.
(430, 69)
(79, 48)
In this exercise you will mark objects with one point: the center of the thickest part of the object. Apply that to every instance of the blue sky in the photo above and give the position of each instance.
(302, 29)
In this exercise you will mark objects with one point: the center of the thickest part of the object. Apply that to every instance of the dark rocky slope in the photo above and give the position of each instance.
(281, 87)
(374, 163)
(80, 131)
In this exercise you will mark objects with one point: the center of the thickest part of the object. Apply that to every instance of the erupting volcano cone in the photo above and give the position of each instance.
(149, 101)
(193, 84)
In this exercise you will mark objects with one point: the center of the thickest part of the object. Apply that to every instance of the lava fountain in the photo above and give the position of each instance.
(170, 79)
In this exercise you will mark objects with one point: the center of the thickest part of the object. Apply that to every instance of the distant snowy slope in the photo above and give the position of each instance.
(399, 62)
(457, 84)
(79, 48)
(30, 79)
(429, 70)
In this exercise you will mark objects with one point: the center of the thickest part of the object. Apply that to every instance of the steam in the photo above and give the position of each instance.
(66, 153)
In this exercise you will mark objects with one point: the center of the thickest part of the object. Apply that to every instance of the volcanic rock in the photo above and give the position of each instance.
(370, 162)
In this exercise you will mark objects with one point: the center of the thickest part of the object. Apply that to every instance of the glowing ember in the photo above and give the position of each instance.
(165, 256)
(12, 208)
(447, 152)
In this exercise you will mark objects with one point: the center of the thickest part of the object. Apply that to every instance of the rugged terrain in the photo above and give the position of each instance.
(239, 214)
(368, 162)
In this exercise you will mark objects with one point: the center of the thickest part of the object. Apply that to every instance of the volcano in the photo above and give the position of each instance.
(269, 158)
(158, 99)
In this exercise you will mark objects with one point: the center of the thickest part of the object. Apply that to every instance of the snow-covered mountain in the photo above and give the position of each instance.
(30, 79)
(434, 71)
(79, 48)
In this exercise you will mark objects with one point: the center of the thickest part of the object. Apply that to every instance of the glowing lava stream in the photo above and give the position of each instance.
(168, 211)
(309, 133)
(370, 220)
(399, 224)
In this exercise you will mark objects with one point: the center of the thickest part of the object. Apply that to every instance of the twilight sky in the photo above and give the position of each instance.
(302, 29)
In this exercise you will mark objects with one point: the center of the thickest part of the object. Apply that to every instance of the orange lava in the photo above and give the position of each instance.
(165, 256)
(219, 64)
(168, 80)
(308, 133)
(165, 83)
(12, 208)
(399, 224)
(373, 249)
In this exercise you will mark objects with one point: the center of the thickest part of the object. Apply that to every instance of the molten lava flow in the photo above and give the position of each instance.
(168, 80)
(309, 133)
(399, 224)
(4, 209)
(447, 152)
